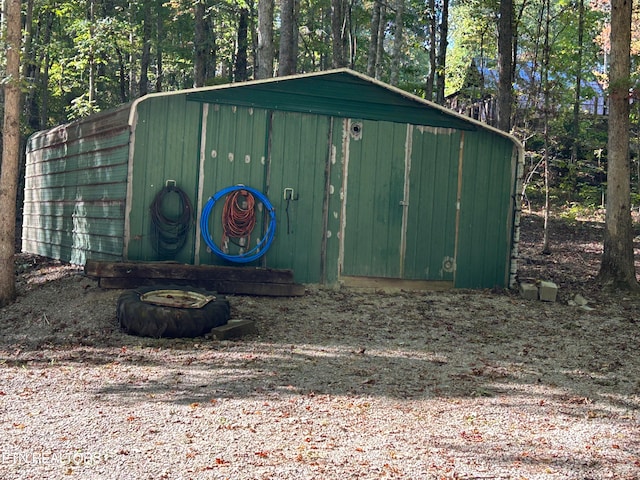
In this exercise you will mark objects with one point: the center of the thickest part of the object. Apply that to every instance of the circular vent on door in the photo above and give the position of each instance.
(356, 130)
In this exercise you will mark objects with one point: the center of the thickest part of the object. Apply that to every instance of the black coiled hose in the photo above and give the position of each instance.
(169, 234)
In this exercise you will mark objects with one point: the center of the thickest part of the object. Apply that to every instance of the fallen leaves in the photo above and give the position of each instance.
(472, 436)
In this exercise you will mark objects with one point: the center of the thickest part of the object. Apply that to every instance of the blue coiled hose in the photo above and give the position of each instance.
(262, 246)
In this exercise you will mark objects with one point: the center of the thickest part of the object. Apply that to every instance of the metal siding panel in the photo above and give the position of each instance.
(298, 158)
(432, 204)
(99, 124)
(111, 210)
(338, 94)
(75, 188)
(58, 244)
(485, 217)
(71, 191)
(167, 133)
(235, 150)
(373, 211)
(90, 176)
(335, 202)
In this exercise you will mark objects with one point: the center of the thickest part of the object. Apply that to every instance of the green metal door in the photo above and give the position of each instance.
(299, 149)
(233, 151)
(430, 252)
(374, 199)
(401, 201)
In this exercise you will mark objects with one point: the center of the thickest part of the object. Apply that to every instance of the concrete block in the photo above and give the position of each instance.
(548, 291)
(234, 329)
(528, 291)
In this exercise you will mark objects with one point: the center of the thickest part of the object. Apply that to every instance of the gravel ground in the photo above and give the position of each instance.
(335, 384)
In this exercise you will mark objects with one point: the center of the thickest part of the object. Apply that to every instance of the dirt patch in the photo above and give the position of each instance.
(336, 384)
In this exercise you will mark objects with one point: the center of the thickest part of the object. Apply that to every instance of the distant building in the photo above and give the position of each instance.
(477, 97)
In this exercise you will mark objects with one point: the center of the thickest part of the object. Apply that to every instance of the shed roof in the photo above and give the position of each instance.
(341, 92)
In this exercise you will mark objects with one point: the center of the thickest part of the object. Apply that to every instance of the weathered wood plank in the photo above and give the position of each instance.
(179, 271)
(223, 279)
(375, 283)
(220, 286)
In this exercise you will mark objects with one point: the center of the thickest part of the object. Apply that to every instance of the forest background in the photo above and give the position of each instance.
(83, 57)
(88, 56)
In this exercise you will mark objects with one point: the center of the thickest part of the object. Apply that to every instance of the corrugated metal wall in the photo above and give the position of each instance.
(431, 204)
(354, 197)
(165, 145)
(234, 148)
(374, 199)
(282, 154)
(75, 189)
(298, 160)
(431, 226)
(486, 211)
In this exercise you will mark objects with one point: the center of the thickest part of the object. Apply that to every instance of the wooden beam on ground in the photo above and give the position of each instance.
(227, 280)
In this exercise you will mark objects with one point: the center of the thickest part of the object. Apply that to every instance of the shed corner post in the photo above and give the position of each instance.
(456, 240)
(325, 204)
(346, 123)
(204, 115)
(516, 196)
(133, 120)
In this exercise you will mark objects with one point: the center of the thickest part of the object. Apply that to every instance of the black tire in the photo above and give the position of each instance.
(138, 317)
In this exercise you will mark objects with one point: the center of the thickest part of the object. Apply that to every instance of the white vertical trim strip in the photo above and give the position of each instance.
(458, 207)
(408, 148)
(133, 120)
(346, 127)
(200, 193)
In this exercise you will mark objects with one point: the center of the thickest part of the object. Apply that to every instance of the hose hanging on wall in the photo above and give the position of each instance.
(243, 216)
(238, 217)
(168, 233)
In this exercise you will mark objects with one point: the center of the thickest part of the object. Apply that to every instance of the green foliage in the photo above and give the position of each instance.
(81, 107)
(69, 48)
(572, 213)
(473, 37)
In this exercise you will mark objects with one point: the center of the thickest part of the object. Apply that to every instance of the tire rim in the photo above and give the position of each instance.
(177, 298)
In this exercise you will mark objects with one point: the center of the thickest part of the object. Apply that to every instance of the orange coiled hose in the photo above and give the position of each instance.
(238, 216)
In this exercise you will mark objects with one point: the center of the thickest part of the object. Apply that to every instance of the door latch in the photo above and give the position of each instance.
(288, 193)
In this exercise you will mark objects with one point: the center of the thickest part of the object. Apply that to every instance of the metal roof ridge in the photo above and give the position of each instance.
(229, 85)
(349, 71)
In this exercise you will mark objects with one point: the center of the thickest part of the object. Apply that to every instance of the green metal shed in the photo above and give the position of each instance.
(370, 185)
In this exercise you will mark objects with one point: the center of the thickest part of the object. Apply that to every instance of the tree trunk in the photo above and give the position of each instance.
(617, 269)
(122, 74)
(433, 52)
(546, 249)
(397, 45)
(265, 39)
(372, 58)
(505, 52)
(576, 101)
(10, 154)
(133, 74)
(288, 37)
(211, 47)
(31, 65)
(380, 46)
(92, 66)
(44, 80)
(240, 70)
(442, 53)
(145, 59)
(159, 50)
(199, 44)
(338, 34)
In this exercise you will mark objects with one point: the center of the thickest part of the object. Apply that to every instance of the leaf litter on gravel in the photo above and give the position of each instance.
(336, 384)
